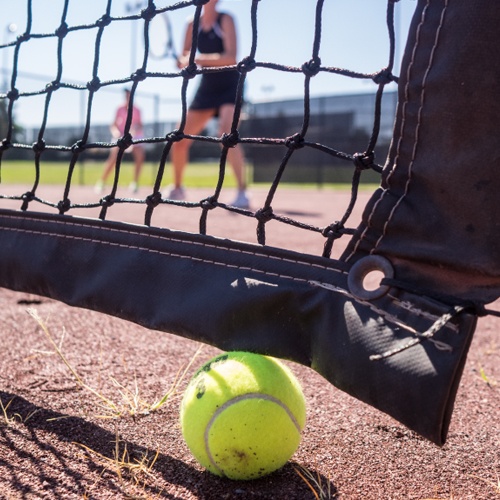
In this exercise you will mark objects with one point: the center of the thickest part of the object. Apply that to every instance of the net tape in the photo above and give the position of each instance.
(360, 161)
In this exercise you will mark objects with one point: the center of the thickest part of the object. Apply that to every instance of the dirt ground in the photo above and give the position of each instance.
(100, 437)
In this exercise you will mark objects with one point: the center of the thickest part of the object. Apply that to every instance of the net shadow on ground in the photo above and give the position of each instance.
(85, 441)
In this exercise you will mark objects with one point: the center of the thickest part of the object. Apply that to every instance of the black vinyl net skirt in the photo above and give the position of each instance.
(430, 229)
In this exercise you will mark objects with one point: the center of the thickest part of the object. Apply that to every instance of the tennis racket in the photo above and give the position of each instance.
(161, 40)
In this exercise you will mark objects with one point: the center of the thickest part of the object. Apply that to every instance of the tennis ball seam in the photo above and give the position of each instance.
(237, 399)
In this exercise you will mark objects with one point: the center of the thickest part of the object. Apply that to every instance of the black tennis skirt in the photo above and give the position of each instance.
(216, 89)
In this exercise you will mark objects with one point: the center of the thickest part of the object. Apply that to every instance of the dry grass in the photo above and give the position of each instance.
(128, 401)
(134, 474)
(15, 417)
(495, 485)
(315, 483)
(487, 379)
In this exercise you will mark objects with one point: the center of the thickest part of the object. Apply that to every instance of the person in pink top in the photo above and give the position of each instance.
(117, 130)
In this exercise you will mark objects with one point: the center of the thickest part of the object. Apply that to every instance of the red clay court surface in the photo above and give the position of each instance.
(54, 442)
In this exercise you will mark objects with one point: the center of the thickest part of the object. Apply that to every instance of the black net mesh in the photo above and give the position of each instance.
(63, 201)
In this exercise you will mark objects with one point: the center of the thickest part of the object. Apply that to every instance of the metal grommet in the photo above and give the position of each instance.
(359, 272)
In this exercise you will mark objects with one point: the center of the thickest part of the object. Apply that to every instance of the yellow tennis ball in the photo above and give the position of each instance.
(242, 415)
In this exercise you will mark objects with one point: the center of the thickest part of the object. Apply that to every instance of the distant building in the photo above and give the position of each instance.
(338, 123)
(360, 107)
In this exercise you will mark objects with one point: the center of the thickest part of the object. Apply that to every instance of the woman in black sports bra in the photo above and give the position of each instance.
(216, 94)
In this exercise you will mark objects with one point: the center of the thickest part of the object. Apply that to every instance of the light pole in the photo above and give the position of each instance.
(133, 7)
(9, 29)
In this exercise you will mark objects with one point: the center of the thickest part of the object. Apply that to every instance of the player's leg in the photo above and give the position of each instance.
(196, 119)
(108, 168)
(235, 156)
(138, 155)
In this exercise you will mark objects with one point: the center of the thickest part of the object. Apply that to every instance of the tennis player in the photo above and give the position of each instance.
(215, 97)
(117, 130)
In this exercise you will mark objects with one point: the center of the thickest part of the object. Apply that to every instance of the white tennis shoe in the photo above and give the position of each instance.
(241, 200)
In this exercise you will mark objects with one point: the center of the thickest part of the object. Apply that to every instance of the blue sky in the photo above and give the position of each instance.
(354, 36)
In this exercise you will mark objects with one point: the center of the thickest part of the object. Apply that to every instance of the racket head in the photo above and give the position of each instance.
(161, 39)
